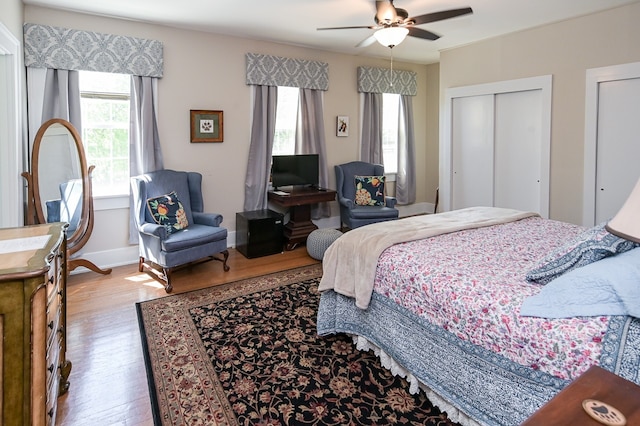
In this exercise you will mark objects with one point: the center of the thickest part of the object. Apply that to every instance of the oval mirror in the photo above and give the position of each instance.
(60, 186)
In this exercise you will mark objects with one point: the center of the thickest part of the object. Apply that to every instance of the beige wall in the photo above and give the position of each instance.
(207, 71)
(565, 50)
(11, 12)
(430, 167)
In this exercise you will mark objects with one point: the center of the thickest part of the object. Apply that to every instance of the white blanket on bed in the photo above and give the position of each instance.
(349, 264)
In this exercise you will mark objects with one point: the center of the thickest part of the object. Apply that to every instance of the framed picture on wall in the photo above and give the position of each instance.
(342, 125)
(206, 126)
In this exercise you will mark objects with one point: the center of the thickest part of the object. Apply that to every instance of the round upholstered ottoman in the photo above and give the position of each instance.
(319, 241)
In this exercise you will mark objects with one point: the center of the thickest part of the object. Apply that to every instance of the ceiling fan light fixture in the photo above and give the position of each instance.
(391, 36)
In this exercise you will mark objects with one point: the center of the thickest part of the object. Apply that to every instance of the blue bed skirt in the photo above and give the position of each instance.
(488, 388)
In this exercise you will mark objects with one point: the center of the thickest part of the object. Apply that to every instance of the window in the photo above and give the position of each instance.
(104, 101)
(284, 142)
(390, 108)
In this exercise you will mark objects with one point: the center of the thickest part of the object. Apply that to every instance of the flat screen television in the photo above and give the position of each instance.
(294, 170)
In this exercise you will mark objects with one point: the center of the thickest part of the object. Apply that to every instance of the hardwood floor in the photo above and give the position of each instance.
(108, 378)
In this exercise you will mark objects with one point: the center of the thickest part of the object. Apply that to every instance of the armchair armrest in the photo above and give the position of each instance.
(209, 219)
(390, 201)
(348, 203)
(153, 229)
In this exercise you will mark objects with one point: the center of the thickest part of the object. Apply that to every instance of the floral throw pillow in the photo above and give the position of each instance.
(592, 245)
(369, 190)
(168, 211)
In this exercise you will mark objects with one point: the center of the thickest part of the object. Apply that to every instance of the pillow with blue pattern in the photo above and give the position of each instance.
(167, 210)
(369, 190)
(592, 245)
(607, 287)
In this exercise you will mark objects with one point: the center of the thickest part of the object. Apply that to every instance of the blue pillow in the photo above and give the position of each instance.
(609, 286)
(592, 245)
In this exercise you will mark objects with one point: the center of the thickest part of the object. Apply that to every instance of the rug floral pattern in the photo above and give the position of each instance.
(248, 354)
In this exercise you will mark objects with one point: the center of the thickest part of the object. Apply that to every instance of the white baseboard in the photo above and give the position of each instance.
(110, 258)
(129, 255)
(415, 209)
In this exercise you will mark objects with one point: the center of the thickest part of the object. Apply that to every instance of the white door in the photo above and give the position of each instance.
(11, 161)
(495, 145)
(618, 151)
(518, 150)
(472, 150)
(612, 145)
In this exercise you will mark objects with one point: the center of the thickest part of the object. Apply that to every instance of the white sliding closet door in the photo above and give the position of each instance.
(472, 149)
(518, 150)
(495, 146)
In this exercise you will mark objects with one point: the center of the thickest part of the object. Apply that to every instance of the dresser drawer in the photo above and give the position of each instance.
(53, 373)
(54, 321)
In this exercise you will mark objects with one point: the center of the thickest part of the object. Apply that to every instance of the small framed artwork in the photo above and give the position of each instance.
(206, 126)
(342, 125)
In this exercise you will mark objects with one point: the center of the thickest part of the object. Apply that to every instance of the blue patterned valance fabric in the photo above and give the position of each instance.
(62, 48)
(267, 70)
(378, 80)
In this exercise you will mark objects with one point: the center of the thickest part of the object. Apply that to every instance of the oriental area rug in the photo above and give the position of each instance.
(247, 353)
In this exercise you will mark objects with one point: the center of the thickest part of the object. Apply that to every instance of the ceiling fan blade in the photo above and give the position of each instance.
(420, 33)
(439, 16)
(385, 11)
(347, 28)
(367, 41)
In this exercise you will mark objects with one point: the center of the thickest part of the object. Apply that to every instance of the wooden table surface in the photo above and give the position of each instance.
(596, 383)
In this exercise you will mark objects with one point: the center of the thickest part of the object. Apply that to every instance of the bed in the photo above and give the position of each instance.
(489, 311)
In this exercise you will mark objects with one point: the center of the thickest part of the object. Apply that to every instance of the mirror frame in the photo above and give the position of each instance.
(35, 213)
(85, 226)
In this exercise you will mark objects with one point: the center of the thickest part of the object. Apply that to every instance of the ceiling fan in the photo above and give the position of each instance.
(393, 24)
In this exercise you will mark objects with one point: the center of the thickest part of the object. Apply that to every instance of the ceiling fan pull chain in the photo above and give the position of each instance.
(391, 71)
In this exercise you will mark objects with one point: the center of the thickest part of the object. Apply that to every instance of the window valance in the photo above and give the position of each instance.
(269, 70)
(376, 80)
(62, 48)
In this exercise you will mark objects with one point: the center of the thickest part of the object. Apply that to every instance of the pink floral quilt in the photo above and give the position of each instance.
(472, 284)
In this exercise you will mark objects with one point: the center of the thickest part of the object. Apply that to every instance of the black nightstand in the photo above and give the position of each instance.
(259, 233)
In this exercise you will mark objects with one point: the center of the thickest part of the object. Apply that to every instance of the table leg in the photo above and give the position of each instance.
(299, 226)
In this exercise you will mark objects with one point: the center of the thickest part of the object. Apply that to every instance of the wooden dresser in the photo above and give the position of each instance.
(33, 279)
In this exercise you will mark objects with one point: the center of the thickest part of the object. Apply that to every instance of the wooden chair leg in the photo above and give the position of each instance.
(163, 276)
(225, 254)
(225, 257)
(167, 275)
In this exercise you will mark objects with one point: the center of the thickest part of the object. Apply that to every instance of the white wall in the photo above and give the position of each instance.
(11, 15)
(565, 50)
(207, 71)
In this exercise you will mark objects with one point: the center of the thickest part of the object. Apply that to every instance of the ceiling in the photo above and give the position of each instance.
(295, 21)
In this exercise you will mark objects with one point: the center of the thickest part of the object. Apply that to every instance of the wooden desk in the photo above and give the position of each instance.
(299, 201)
(596, 383)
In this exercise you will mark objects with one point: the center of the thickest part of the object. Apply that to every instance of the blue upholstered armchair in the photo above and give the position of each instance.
(353, 215)
(68, 208)
(173, 230)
